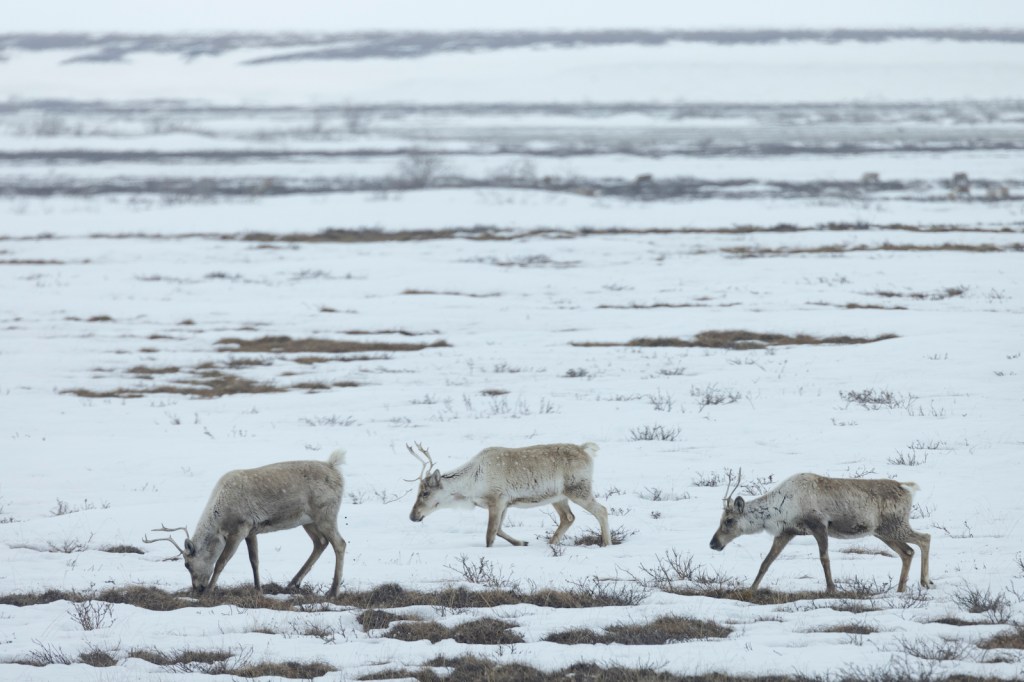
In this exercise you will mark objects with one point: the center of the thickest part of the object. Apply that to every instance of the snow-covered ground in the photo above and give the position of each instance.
(565, 211)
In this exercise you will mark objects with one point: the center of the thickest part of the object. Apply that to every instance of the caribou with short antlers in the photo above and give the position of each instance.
(247, 502)
(808, 504)
(499, 478)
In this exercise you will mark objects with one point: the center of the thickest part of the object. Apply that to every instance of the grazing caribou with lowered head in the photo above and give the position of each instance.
(808, 504)
(247, 502)
(499, 478)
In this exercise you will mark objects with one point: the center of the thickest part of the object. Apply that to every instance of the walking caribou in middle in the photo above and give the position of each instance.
(499, 478)
(808, 504)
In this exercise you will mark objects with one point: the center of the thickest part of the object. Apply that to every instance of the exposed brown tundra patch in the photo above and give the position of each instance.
(736, 339)
(286, 344)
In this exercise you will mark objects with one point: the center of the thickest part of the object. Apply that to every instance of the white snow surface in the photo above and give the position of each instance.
(123, 292)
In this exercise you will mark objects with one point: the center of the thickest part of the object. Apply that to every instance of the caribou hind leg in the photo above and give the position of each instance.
(319, 545)
(565, 519)
(924, 541)
(599, 512)
(906, 554)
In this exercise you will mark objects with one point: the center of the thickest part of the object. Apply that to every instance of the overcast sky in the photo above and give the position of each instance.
(433, 15)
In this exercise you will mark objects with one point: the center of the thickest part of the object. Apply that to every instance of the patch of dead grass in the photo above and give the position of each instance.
(431, 292)
(286, 344)
(399, 332)
(145, 371)
(847, 629)
(319, 359)
(121, 549)
(840, 600)
(663, 630)
(654, 306)
(592, 537)
(377, 619)
(761, 252)
(959, 622)
(475, 669)
(1008, 639)
(180, 657)
(737, 339)
(210, 383)
(480, 631)
(582, 594)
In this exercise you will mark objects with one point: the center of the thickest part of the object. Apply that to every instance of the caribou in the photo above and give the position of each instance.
(247, 502)
(843, 508)
(498, 478)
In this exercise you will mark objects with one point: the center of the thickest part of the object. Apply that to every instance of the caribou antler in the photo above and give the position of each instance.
(731, 489)
(427, 463)
(163, 528)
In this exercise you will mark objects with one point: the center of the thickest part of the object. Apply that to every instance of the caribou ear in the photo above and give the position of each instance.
(738, 504)
(190, 548)
(435, 479)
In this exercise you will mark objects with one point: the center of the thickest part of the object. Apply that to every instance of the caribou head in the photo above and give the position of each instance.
(732, 513)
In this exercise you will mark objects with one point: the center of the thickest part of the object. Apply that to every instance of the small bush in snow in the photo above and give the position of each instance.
(593, 537)
(483, 572)
(758, 486)
(712, 479)
(908, 459)
(654, 432)
(712, 395)
(661, 402)
(996, 607)
(92, 615)
(872, 399)
(936, 649)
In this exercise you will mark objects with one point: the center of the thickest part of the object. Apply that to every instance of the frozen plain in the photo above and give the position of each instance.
(124, 288)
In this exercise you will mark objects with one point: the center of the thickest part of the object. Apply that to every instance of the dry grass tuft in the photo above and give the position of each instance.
(737, 339)
(142, 370)
(399, 332)
(97, 658)
(121, 549)
(319, 359)
(952, 620)
(295, 670)
(580, 594)
(431, 292)
(376, 619)
(181, 657)
(757, 251)
(209, 383)
(474, 669)
(848, 629)
(664, 630)
(219, 662)
(1008, 639)
(481, 631)
(286, 344)
(593, 537)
